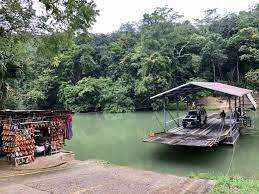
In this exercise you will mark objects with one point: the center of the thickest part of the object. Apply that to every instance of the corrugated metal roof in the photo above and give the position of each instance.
(197, 86)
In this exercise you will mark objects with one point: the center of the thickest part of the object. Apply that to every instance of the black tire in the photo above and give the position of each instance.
(184, 125)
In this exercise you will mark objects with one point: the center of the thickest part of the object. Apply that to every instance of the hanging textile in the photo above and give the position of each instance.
(69, 132)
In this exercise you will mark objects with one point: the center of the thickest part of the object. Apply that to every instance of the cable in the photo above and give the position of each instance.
(159, 121)
(231, 161)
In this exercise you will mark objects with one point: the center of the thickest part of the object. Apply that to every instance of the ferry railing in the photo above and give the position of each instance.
(232, 126)
(174, 121)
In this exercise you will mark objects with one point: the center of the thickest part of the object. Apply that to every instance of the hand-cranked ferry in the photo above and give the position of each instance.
(217, 128)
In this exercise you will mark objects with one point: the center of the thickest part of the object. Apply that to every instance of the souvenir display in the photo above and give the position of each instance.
(58, 127)
(25, 136)
(1, 141)
(18, 142)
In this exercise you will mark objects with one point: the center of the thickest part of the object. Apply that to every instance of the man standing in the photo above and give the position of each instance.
(223, 116)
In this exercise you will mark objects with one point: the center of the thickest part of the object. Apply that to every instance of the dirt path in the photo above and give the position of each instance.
(100, 177)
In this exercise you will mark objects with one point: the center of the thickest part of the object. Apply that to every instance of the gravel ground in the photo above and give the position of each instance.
(100, 177)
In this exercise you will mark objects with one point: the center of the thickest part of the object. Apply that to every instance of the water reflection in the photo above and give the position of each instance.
(117, 139)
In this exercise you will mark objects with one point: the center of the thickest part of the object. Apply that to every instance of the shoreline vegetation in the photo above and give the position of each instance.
(54, 62)
(230, 184)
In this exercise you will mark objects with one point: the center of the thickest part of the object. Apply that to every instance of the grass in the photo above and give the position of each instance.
(211, 108)
(229, 184)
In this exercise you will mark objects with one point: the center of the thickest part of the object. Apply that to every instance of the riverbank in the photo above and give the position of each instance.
(96, 177)
(231, 184)
(61, 173)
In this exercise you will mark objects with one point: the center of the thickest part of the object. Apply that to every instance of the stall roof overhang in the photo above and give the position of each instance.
(191, 87)
(12, 112)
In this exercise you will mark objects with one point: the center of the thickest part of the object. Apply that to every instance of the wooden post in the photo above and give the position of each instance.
(243, 99)
(230, 108)
(238, 76)
(229, 103)
(214, 71)
(235, 107)
(177, 111)
(239, 106)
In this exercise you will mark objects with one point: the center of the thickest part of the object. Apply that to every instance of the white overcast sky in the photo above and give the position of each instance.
(113, 13)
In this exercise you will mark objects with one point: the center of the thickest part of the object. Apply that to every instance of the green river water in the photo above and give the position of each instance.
(117, 138)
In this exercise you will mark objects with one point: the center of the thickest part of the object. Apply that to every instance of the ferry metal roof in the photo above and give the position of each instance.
(214, 86)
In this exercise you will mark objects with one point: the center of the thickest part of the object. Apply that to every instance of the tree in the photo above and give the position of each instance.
(213, 56)
(67, 67)
(244, 46)
(19, 16)
(19, 22)
(252, 78)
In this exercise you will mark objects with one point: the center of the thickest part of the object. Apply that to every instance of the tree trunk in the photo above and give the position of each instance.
(238, 76)
(214, 71)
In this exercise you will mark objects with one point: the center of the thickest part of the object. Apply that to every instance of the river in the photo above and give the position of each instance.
(116, 138)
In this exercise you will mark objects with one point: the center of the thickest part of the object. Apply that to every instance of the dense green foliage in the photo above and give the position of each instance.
(118, 72)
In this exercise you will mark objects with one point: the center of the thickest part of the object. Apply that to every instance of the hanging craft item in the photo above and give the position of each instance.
(18, 142)
(1, 141)
(69, 131)
(57, 129)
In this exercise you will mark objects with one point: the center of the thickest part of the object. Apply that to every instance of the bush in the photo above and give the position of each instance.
(95, 94)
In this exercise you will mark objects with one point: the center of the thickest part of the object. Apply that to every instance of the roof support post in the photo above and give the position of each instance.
(243, 103)
(240, 109)
(236, 108)
(177, 111)
(231, 114)
(187, 106)
(243, 109)
(164, 110)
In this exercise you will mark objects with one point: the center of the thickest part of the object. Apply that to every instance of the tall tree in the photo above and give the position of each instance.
(19, 21)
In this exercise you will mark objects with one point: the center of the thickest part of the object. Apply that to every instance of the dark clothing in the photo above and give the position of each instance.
(199, 118)
(222, 114)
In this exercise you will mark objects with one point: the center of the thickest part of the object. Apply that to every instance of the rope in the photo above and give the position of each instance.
(159, 121)
(232, 157)
(173, 118)
(231, 161)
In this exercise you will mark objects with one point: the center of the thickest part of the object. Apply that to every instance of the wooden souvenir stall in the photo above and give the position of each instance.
(1, 141)
(30, 133)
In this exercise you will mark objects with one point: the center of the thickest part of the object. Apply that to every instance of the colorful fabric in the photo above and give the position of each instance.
(69, 132)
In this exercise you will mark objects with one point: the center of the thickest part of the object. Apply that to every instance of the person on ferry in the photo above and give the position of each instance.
(223, 117)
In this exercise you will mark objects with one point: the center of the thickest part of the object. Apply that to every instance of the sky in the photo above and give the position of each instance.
(113, 13)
